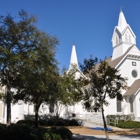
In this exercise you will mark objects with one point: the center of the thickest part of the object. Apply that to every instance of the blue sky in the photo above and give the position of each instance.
(87, 23)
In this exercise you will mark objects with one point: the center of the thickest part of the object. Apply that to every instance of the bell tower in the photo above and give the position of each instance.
(123, 37)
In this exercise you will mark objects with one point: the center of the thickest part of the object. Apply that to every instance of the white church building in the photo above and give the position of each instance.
(125, 58)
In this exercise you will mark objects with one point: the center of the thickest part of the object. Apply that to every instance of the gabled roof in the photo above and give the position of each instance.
(122, 26)
(133, 89)
(128, 27)
(136, 85)
(115, 62)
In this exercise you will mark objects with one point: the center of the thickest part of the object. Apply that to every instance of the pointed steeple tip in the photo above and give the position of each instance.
(121, 8)
(73, 59)
(122, 21)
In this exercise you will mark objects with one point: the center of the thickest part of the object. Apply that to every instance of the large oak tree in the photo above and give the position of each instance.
(27, 59)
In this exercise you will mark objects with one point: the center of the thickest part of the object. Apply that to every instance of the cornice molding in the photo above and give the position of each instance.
(133, 57)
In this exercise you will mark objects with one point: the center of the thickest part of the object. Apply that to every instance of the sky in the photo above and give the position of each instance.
(89, 24)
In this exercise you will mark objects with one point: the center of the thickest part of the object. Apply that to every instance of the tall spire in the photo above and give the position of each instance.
(123, 37)
(73, 60)
(122, 21)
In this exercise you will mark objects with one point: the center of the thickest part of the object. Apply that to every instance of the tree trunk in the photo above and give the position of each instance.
(8, 100)
(105, 126)
(36, 115)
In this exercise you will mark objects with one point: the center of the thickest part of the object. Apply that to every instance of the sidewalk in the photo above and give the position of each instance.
(103, 137)
(91, 125)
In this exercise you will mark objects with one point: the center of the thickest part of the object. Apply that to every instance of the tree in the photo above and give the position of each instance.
(15, 39)
(21, 44)
(68, 89)
(104, 83)
(36, 81)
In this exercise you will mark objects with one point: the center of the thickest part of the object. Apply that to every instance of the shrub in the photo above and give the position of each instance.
(29, 117)
(56, 136)
(65, 133)
(50, 122)
(73, 122)
(18, 131)
(129, 124)
(2, 126)
(27, 132)
(42, 122)
(115, 119)
(2, 131)
(28, 122)
(47, 136)
(60, 123)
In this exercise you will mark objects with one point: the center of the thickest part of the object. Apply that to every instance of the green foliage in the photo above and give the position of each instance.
(68, 90)
(42, 122)
(73, 122)
(129, 124)
(27, 60)
(56, 136)
(115, 119)
(47, 136)
(103, 81)
(16, 39)
(65, 133)
(50, 122)
(17, 131)
(26, 132)
(2, 128)
(60, 123)
(29, 117)
(27, 122)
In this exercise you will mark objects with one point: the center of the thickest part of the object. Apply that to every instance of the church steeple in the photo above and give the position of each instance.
(123, 37)
(73, 59)
(122, 21)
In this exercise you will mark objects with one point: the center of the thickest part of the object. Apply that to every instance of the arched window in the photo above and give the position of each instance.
(131, 104)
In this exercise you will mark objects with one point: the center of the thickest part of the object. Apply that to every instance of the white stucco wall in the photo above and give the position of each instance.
(126, 70)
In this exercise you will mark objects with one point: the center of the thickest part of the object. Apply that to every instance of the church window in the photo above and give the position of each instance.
(134, 73)
(131, 104)
(117, 40)
(133, 63)
(119, 106)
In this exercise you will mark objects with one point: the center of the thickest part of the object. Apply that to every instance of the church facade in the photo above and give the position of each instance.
(125, 58)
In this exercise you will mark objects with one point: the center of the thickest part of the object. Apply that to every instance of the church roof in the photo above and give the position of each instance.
(136, 85)
(133, 89)
(115, 62)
